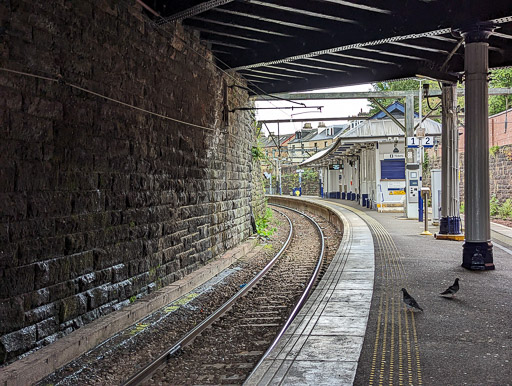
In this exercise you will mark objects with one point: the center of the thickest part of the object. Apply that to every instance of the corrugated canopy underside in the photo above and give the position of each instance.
(298, 45)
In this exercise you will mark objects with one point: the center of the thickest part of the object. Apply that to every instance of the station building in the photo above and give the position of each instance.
(367, 162)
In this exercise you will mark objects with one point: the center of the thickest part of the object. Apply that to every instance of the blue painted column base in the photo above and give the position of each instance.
(450, 226)
(477, 256)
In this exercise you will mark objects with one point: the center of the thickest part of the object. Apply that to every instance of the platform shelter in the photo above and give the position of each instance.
(367, 163)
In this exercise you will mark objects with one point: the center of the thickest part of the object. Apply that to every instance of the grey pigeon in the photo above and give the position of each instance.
(452, 290)
(410, 302)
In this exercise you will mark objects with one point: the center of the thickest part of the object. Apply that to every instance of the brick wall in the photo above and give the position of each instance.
(500, 130)
(99, 202)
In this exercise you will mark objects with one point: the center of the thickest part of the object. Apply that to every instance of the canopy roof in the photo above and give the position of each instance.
(366, 134)
(297, 45)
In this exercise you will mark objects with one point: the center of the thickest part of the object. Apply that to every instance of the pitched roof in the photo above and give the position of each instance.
(274, 140)
(396, 109)
(306, 138)
(337, 130)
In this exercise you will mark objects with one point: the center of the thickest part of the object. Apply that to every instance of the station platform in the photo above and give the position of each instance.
(341, 337)
(355, 329)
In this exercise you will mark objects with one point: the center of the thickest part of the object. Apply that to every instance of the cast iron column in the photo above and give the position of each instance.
(477, 249)
(450, 206)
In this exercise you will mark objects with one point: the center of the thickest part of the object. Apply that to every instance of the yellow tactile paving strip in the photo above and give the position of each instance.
(396, 356)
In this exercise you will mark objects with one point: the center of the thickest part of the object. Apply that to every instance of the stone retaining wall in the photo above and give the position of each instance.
(500, 173)
(101, 203)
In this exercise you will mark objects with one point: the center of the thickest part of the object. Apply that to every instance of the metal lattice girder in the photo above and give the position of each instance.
(345, 48)
(200, 8)
(339, 42)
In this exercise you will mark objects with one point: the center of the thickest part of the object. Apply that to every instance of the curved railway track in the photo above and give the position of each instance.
(222, 354)
(246, 325)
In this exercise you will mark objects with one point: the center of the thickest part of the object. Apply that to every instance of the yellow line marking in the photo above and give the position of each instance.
(392, 343)
(376, 344)
(392, 266)
(408, 344)
(383, 349)
(400, 354)
(417, 349)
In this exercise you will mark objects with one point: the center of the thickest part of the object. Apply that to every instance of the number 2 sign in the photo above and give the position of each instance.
(427, 141)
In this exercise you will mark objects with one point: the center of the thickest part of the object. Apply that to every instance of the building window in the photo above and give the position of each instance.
(325, 144)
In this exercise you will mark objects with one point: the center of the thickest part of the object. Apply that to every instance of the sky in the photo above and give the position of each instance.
(330, 108)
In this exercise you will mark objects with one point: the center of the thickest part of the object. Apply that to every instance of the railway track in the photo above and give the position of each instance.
(246, 326)
(220, 354)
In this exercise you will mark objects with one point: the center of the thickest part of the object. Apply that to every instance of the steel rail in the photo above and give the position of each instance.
(305, 295)
(152, 367)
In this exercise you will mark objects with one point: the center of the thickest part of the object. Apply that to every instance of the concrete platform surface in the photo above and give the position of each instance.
(464, 340)
(323, 343)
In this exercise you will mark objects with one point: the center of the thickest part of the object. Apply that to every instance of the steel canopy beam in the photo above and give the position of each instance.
(346, 48)
(238, 26)
(417, 47)
(335, 63)
(296, 120)
(362, 58)
(372, 94)
(359, 6)
(391, 53)
(232, 36)
(302, 12)
(196, 10)
(291, 70)
(265, 19)
(272, 73)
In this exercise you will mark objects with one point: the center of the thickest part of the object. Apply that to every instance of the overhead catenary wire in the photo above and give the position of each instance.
(255, 87)
(63, 82)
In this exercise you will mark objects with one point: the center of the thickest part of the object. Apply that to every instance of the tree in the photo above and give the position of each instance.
(500, 78)
(402, 85)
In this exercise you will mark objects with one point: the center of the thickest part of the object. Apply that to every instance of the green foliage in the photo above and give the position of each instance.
(494, 205)
(505, 210)
(500, 78)
(426, 164)
(263, 223)
(292, 179)
(133, 298)
(401, 85)
(493, 150)
(257, 152)
(310, 175)
(461, 207)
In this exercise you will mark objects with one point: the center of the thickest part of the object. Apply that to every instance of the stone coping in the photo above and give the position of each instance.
(48, 359)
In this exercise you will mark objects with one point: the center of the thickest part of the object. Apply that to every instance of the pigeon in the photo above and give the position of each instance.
(410, 302)
(452, 290)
